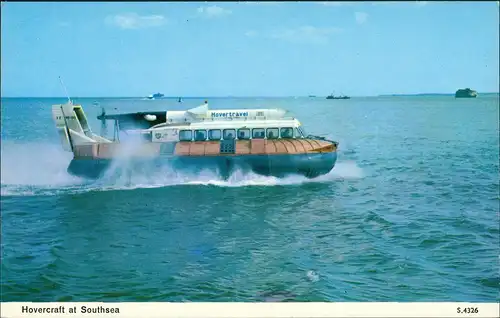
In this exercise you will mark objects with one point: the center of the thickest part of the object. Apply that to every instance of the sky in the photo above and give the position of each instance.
(121, 49)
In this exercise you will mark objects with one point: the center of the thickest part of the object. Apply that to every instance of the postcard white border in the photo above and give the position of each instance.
(268, 310)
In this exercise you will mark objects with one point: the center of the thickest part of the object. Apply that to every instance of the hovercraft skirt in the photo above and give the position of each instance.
(308, 164)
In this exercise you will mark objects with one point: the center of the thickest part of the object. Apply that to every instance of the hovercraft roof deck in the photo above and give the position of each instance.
(148, 120)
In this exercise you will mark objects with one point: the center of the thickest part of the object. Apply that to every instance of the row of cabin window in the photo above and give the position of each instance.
(230, 134)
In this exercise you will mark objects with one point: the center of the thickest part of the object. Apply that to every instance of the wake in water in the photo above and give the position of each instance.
(28, 168)
(40, 169)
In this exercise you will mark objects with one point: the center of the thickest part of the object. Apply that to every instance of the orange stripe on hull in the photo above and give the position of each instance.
(243, 147)
(212, 148)
(289, 146)
(308, 147)
(258, 146)
(207, 148)
(197, 148)
(182, 148)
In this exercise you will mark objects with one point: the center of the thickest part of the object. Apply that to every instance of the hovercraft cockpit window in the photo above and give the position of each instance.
(244, 134)
(273, 133)
(287, 132)
(302, 131)
(214, 134)
(299, 133)
(186, 135)
(200, 135)
(258, 133)
(229, 134)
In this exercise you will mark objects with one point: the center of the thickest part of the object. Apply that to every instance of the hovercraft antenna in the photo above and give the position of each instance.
(65, 90)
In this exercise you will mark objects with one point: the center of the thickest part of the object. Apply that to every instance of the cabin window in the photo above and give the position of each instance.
(302, 132)
(200, 135)
(272, 133)
(286, 132)
(258, 133)
(214, 134)
(260, 114)
(297, 133)
(244, 133)
(229, 134)
(186, 135)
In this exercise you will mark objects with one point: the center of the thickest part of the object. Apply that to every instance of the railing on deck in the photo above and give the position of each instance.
(211, 119)
(170, 122)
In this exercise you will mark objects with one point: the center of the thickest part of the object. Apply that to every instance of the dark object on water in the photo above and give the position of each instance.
(331, 96)
(157, 95)
(180, 100)
(465, 93)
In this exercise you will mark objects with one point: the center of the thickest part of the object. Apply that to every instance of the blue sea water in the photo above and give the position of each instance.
(409, 213)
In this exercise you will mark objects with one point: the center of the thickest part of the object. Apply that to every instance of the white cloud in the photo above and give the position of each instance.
(261, 3)
(213, 11)
(379, 3)
(417, 3)
(337, 3)
(361, 17)
(251, 33)
(306, 34)
(135, 21)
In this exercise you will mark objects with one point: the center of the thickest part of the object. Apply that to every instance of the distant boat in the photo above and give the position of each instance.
(312, 96)
(155, 96)
(180, 100)
(331, 96)
(465, 93)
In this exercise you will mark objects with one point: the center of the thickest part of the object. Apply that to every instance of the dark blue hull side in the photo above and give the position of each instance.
(309, 165)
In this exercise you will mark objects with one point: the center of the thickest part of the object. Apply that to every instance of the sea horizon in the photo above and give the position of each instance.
(249, 96)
